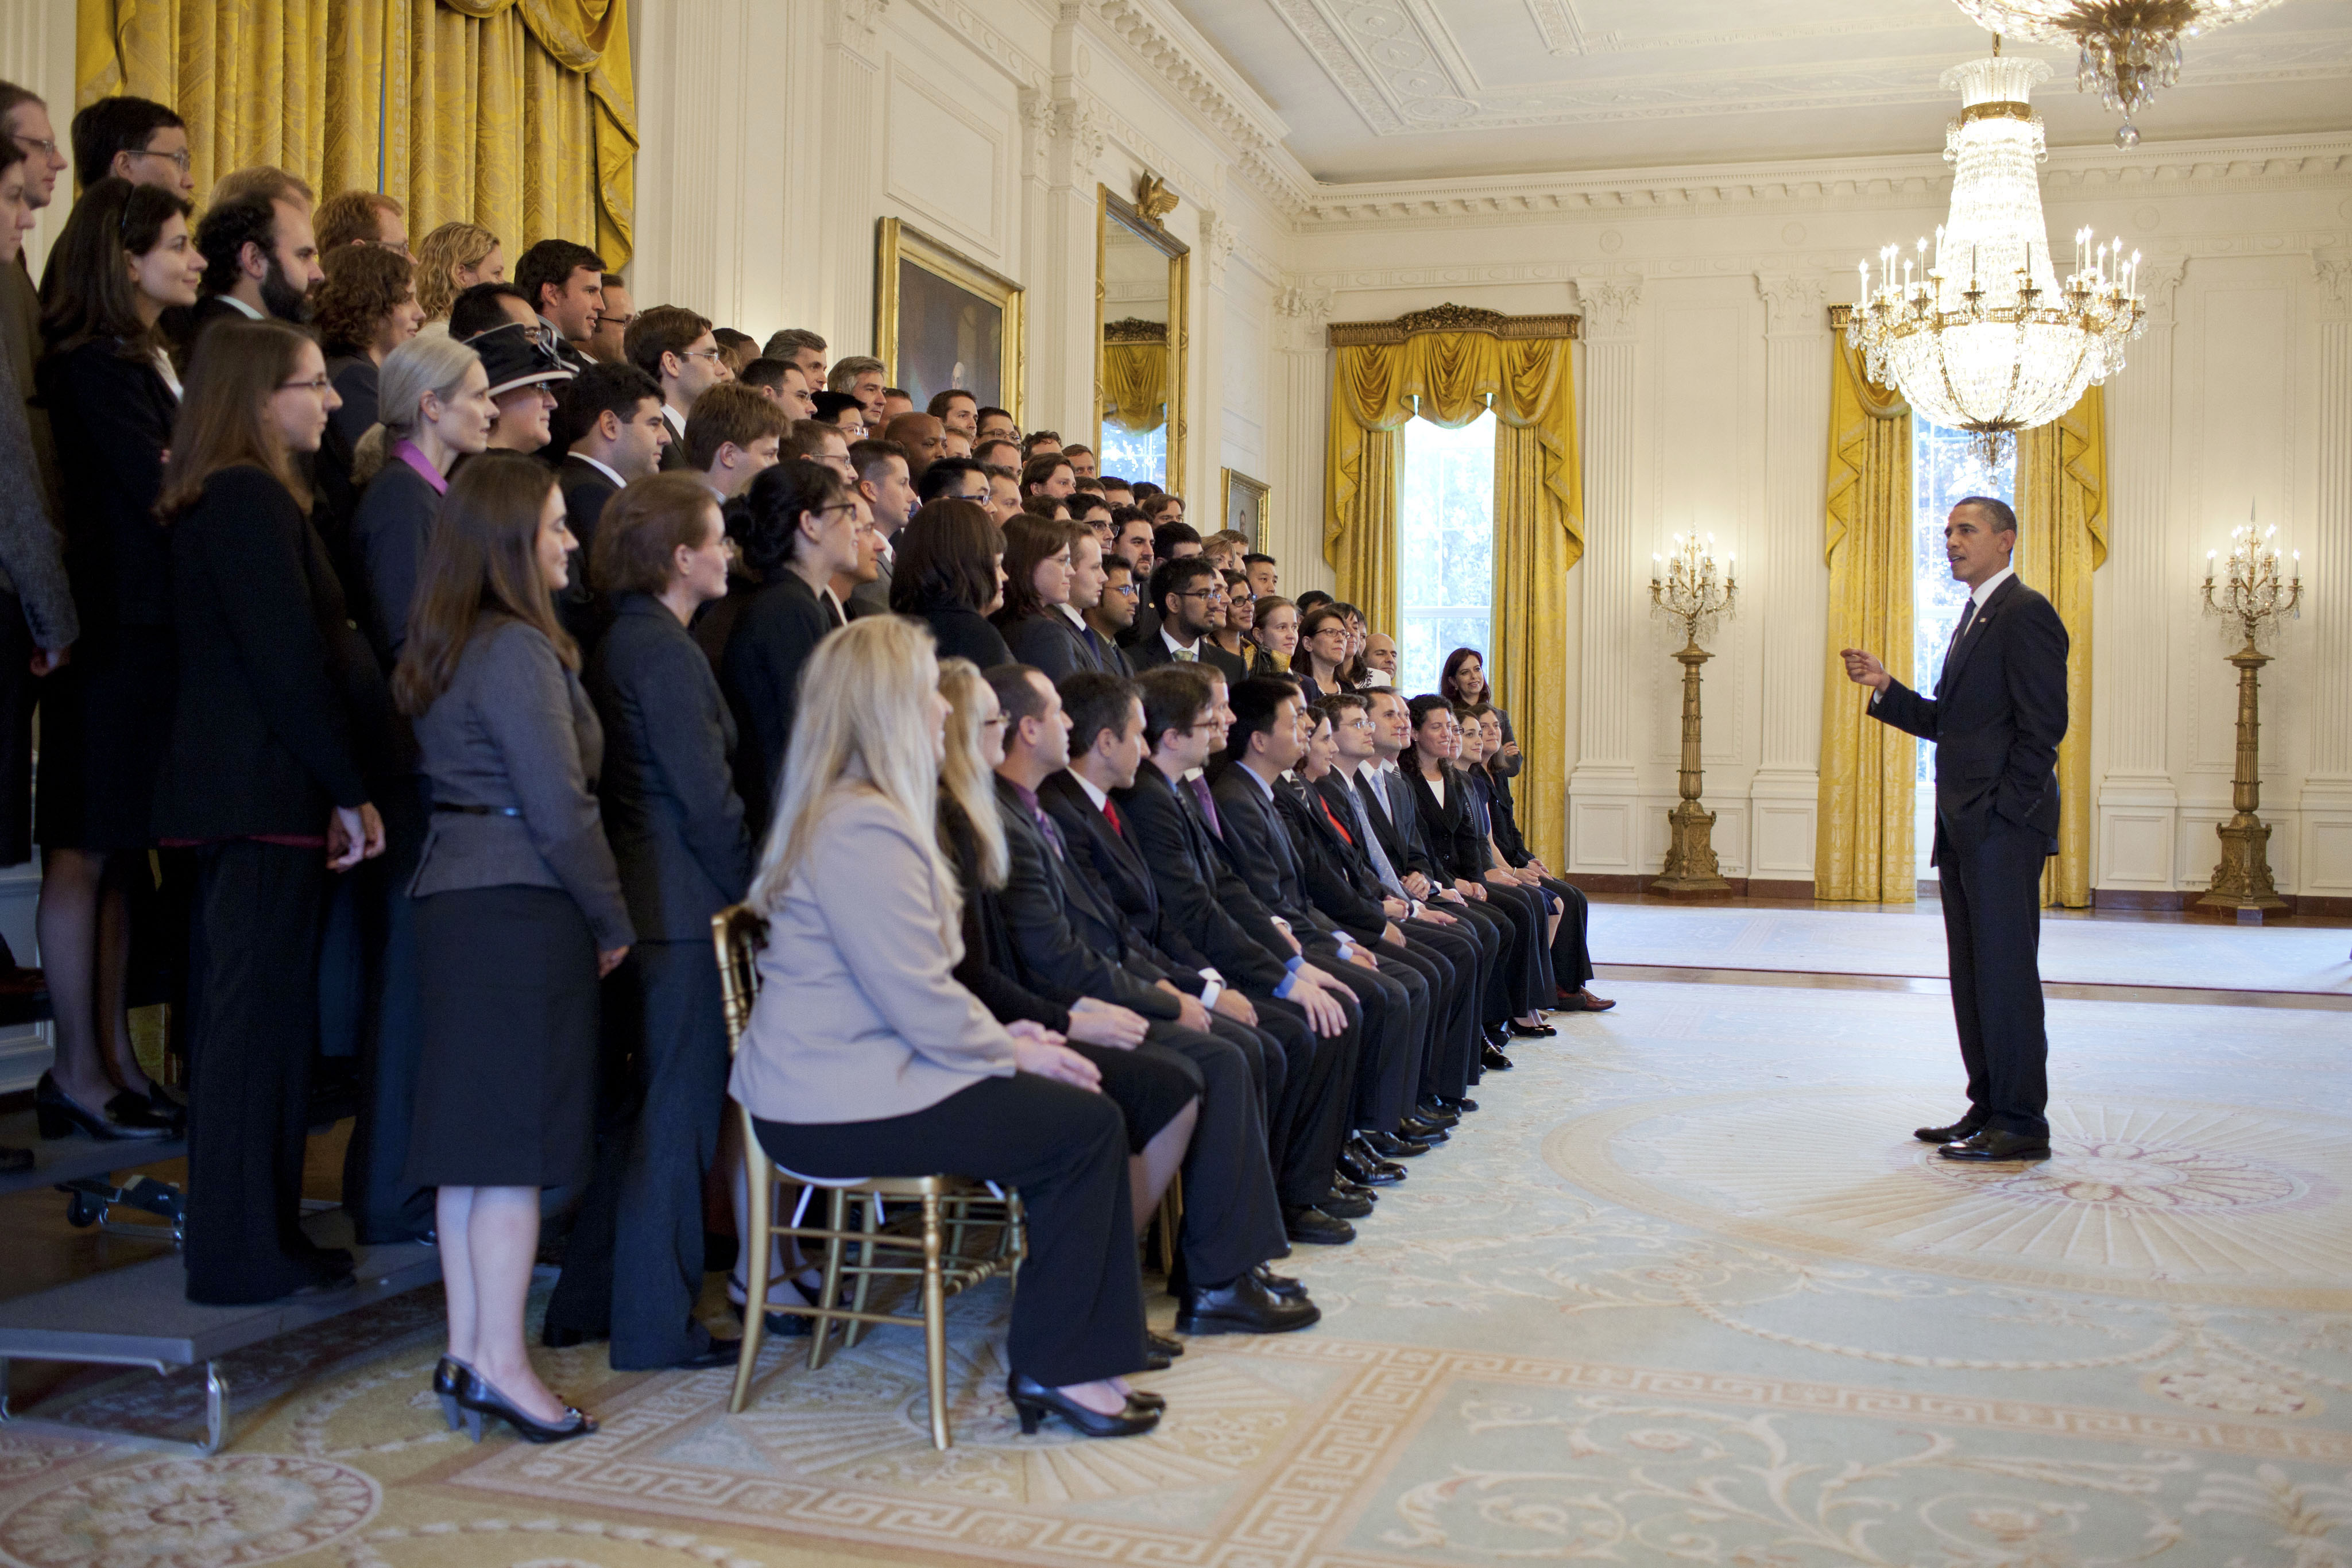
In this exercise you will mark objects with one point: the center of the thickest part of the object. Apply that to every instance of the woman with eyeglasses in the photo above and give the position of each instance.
(1237, 614)
(124, 257)
(1323, 644)
(268, 774)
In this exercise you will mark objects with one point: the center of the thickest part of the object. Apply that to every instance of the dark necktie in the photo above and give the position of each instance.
(1052, 834)
(1968, 618)
(1200, 787)
(1094, 646)
(1111, 810)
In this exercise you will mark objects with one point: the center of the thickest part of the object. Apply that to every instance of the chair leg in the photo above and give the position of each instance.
(934, 1324)
(869, 1255)
(837, 1216)
(762, 1178)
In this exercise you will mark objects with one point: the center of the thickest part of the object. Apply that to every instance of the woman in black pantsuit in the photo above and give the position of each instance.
(261, 774)
(519, 913)
(864, 1057)
(124, 257)
(1571, 951)
(676, 830)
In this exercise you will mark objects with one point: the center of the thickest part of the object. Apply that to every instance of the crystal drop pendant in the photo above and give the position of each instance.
(2128, 136)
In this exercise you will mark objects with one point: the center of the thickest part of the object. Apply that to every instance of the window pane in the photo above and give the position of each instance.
(1134, 456)
(1446, 547)
(1945, 466)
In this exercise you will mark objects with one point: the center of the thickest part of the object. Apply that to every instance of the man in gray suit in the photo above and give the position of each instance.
(1997, 717)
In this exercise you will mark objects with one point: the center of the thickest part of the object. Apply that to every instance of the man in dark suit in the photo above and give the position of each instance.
(1112, 614)
(609, 420)
(1997, 717)
(1317, 1023)
(1069, 938)
(782, 625)
(1184, 593)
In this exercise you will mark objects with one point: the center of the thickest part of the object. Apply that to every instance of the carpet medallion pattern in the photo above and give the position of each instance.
(1684, 1290)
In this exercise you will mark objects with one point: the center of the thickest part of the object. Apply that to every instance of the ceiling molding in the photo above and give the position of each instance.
(1905, 180)
(1169, 48)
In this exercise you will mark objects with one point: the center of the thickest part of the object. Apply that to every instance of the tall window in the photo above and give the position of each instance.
(1446, 547)
(1945, 466)
(1134, 454)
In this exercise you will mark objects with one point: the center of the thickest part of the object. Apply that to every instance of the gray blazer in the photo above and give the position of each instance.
(860, 1017)
(515, 733)
(32, 555)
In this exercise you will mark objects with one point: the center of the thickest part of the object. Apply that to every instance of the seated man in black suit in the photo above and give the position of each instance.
(1068, 939)
(1184, 591)
(1317, 1022)
(1260, 746)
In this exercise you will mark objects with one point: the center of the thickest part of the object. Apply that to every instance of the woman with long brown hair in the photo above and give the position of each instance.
(279, 703)
(520, 914)
(949, 575)
(1464, 680)
(124, 259)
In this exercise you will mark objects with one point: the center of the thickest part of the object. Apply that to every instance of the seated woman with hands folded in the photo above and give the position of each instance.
(866, 1058)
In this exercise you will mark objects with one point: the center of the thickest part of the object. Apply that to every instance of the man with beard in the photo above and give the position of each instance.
(261, 261)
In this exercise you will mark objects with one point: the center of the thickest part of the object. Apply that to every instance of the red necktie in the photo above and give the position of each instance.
(1111, 810)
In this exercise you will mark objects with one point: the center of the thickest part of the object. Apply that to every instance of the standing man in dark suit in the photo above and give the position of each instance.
(609, 418)
(1997, 717)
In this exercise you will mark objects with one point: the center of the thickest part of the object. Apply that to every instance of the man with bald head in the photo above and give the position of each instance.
(1997, 717)
(921, 435)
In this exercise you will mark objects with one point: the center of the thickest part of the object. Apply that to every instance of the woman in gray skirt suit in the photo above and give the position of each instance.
(520, 914)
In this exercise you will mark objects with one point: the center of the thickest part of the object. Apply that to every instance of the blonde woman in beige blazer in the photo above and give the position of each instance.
(864, 1057)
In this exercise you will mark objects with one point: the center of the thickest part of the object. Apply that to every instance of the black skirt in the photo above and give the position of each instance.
(505, 1084)
(104, 718)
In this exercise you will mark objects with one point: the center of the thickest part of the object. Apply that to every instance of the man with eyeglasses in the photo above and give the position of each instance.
(676, 347)
(613, 316)
(25, 119)
(1113, 612)
(133, 139)
(1186, 594)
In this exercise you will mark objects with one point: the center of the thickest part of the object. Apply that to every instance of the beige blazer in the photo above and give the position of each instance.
(859, 1018)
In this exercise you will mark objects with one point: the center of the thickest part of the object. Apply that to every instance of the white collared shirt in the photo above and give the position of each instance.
(1077, 620)
(607, 470)
(250, 313)
(1097, 795)
(1983, 590)
(677, 424)
(1176, 648)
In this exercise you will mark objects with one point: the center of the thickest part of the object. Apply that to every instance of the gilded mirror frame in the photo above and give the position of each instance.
(1113, 209)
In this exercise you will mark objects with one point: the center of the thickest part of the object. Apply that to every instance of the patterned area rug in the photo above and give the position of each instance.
(2306, 959)
(1684, 1290)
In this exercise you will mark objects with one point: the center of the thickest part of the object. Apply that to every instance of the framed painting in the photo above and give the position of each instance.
(942, 320)
(1245, 508)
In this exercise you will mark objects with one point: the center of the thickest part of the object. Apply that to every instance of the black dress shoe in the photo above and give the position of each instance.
(1453, 1105)
(1493, 1061)
(1388, 1146)
(721, 1353)
(1033, 1402)
(60, 1115)
(1243, 1306)
(1968, 1126)
(1341, 1184)
(1315, 1229)
(14, 1160)
(478, 1398)
(1366, 1168)
(1171, 1348)
(1437, 1115)
(555, 1338)
(1531, 1031)
(1282, 1285)
(1990, 1143)
(1144, 1399)
(1157, 1361)
(332, 1284)
(1339, 1205)
(1426, 1132)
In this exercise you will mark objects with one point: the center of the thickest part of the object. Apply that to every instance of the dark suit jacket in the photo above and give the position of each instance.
(773, 639)
(1114, 861)
(1066, 938)
(1153, 653)
(1048, 641)
(1337, 878)
(966, 634)
(112, 420)
(1449, 830)
(668, 789)
(986, 969)
(1257, 846)
(1396, 817)
(1198, 895)
(274, 686)
(187, 327)
(1145, 630)
(673, 452)
(1997, 717)
(388, 537)
(586, 492)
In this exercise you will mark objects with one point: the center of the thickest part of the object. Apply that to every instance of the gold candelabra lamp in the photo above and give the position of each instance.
(1686, 586)
(2254, 589)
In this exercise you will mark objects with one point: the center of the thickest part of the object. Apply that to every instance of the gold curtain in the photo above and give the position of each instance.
(1450, 379)
(1863, 845)
(1135, 386)
(2062, 487)
(476, 110)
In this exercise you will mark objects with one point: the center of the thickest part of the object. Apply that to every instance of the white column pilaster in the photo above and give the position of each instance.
(851, 174)
(1789, 584)
(1603, 800)
(1297, 410)
(1205, 430)
(2325, 862)
(2135, 599)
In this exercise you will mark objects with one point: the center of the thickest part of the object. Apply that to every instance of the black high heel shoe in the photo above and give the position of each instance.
(60, 1115)
(449, 1380)
(477, 1397)
(1033, 1402)
(1531, 1031)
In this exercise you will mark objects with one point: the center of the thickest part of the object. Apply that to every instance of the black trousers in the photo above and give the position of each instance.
(1452, 1070)
(1232, 1220)
(1396, 1025)
(255, 1000)
(585, 1293)
(1571, 947)
(1528, 968)
(1310, 1123)
(1992, 936)
(1078, 1314)
(681, 1065)
(383, 1204)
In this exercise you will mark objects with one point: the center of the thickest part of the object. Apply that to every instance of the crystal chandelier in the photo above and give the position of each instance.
(1981, 334)
(2129, 47)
